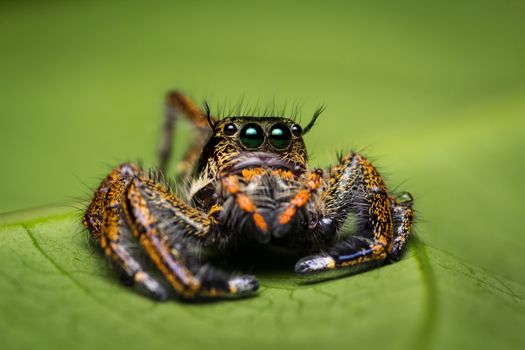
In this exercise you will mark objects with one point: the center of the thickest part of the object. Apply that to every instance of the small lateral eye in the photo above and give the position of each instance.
(252, 136)
(230, 129)
(297, 130)
(280, 136)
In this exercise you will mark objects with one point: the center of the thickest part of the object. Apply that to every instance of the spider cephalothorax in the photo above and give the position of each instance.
(250, 183)
(266, 156)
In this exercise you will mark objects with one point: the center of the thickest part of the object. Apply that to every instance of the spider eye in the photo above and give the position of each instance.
(297, 130)
(230, 129)
(252, 136)
(280, 136)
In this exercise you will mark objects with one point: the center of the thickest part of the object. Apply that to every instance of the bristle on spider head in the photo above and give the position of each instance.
(229, 109)
(208, 115)
(316, 115)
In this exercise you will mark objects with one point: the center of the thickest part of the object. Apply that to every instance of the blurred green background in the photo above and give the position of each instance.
(433, 92)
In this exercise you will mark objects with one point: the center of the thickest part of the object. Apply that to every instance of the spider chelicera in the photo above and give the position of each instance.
(250, 183)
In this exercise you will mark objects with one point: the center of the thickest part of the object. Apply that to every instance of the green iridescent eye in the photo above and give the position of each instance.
(280, 136)
(252, 136)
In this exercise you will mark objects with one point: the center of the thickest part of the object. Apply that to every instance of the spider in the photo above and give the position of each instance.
(250, 184)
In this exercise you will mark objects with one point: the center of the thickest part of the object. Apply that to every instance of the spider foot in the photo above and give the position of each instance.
(149, 286)
(216, 283)
(314, 264)
(243, 285)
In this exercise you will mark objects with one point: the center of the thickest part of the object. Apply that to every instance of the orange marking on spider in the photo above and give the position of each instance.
(284, 174)
(287, 215)
(250, 174)
(245, 203)
(302, 197)
(260, 222)
(231, 184)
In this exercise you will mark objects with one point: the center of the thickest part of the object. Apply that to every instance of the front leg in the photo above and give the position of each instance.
(171, 232)
(355, 186)
(132, 211)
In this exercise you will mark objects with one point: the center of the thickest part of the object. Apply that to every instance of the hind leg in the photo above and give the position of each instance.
(178, 104)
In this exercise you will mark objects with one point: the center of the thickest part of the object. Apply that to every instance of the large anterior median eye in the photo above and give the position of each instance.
(280, 136)
(252, 136)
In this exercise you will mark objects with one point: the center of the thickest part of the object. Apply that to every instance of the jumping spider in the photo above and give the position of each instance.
(250, 182)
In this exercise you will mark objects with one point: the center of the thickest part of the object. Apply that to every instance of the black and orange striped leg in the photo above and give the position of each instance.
(178, 104)
(92, 219)
(118, 243)
(106, 222)
(131, 211)
(356, 187)
(231, 186)
(312, 184)
(171, 233)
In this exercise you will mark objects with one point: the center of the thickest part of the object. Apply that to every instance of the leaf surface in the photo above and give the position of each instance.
(58, 292)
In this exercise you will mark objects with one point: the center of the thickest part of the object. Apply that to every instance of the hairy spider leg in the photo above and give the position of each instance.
(356, 186)
(177, 103)
(92, 219)
(107, 225)
(311, 184)
(118, 243)
(403, 216)
(232, 187)
(171, 232)
(137, 211)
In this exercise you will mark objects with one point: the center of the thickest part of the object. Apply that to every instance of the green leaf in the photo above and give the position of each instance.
(57, 292)
(435, 89)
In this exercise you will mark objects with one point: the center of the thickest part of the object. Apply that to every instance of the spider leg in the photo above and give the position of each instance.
(231, 186)
(131, 211)
(177, 103)
(312, 184)
(171, 232)
(105, 220)
(118, 243)
(403, 216)
(356, 186)
(93, 217)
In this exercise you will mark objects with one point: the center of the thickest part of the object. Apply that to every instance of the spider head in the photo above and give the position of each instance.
(267, 134)
(243, 142)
